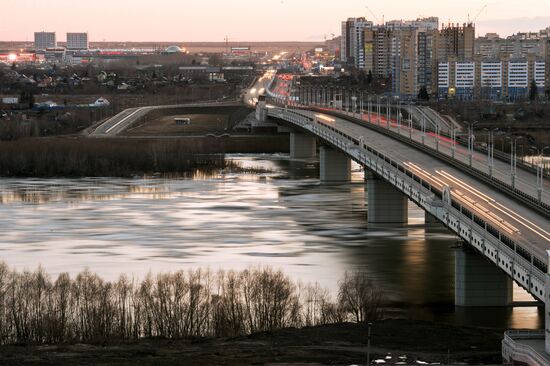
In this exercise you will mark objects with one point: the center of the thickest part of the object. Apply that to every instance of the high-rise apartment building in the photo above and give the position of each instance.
(427, 67)
(456, 41)
(406, 55)
(77, 41)
(407, 52)
(44, 40)
(382, 40)
(352, 49)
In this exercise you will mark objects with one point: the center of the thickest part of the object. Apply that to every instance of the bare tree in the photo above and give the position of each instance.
(359, 297)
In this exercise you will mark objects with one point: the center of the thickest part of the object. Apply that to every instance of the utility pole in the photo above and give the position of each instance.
(226, 39)
(368, 344)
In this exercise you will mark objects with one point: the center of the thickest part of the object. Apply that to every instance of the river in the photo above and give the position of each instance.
(282, 218)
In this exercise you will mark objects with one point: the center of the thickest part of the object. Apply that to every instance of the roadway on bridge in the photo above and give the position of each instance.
(259, 88)
(518, 222)
(526, 180)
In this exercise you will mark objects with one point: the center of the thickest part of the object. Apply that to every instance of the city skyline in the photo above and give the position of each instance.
(277, 20)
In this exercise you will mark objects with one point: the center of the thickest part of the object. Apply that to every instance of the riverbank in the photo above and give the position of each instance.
(126, 157)
(339, 344)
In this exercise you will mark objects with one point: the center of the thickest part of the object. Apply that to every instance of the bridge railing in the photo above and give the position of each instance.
(513, 350)
(516, 259)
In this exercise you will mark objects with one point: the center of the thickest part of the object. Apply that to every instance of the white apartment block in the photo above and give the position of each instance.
(504, 79)
(465, 74)
(77, 41)
(44, 40)
(443, 75)
(540, 74)
(518, 74)
(491, 74)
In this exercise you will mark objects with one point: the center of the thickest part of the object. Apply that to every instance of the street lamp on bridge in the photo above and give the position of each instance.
(540, 170)
(514, 157)
(471, 139)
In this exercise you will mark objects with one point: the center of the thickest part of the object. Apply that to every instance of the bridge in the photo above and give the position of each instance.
(500, 208)
(500, 212)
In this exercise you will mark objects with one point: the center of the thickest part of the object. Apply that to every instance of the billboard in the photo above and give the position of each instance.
(240, 50)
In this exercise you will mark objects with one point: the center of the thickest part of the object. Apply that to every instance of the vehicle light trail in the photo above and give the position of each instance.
(325, 118)
(522, 220)
(475, 206)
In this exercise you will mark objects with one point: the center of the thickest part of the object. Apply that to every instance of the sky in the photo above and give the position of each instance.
(249, 20)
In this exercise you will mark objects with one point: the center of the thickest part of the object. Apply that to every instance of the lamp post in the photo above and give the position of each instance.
(368, 343)
(540, 171)
(361, 105)
(388, 112)
(410, 121)
(514, 157)
(369, 108)
(491, 149)
(423, 128)
(471, 138)
(436, 136)
(378, 110)
(453, 141)
(399, 117)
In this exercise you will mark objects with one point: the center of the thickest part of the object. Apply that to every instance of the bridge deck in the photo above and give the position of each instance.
(525, 179)
(520, 223)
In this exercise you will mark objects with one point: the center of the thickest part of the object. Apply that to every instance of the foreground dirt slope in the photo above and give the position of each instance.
(342, 344)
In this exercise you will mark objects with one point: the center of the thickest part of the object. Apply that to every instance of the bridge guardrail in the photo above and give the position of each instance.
(514, 351)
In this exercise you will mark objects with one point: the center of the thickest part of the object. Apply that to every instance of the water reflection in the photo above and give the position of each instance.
(232, 220)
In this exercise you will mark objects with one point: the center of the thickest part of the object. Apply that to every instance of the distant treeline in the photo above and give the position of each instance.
(124, 157)
(35, 309)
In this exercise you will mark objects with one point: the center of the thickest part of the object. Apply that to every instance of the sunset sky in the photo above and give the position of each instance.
(247, 20)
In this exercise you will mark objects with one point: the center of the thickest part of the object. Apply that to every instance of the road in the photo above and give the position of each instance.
(525, 179)
(260, 86)
(128, 117)
(521, 224)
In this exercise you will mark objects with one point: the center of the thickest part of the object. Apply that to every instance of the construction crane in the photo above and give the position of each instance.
(226, 39)
(373, 15)
(326, 36)
(477, 15)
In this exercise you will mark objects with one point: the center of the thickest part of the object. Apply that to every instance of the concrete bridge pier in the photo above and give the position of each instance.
(430, 220)
(386, 205)
(478, 282)
(335, 166)
(302, 146)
